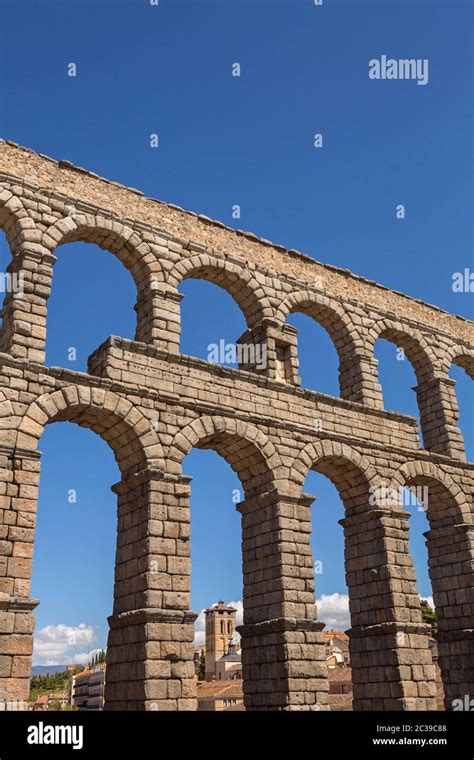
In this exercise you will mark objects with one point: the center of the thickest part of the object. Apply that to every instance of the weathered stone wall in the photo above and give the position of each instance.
(153, 405)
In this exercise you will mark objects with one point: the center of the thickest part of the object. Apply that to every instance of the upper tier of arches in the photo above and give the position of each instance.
(158, 265)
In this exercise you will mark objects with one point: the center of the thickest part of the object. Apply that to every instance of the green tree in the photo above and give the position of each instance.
(202, 666)
(44, 684)
(429, 616)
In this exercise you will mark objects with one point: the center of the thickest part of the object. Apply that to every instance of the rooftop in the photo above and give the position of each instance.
(230, 658)
(340, 674)
(220, 607)
(220, 689)
(333, 634)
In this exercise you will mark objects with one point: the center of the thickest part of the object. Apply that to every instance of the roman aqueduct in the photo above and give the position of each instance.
(153, 405)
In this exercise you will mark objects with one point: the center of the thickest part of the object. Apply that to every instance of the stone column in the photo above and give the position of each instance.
(24, 309)
(158, 316)
(451, 559)
(150, 646)
(359, 380)
(283, 651)
(16, 648)
(271, 350)
(439, 415)
(391, 663)
(19, 477)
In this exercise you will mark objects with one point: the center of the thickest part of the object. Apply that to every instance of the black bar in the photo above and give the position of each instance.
(343, 734)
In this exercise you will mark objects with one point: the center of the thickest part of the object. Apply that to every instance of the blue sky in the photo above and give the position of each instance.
(246, 141)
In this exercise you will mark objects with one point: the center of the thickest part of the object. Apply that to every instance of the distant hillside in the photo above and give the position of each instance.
(42, 670)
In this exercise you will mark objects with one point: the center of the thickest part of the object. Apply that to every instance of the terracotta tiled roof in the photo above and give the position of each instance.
(331, 634)
(42, 699)
(340, 674)
(340, 701)
(220, 689)
(220, 606)
(83, 674)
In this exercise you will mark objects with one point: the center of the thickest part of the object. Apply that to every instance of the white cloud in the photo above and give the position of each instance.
(200, 624)
(199, 630)
(63, 644)
(333, 609)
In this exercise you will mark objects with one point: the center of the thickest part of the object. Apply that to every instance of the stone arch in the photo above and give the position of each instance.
(446, 500)
(26, 271)
(138, 455)
(436, 400)
(377, 565)
(417, 349)
(19, 228)
(461, 355)
(249, 295)
(247, 449)
(451, 570)
(465, 360)
(347, 468)
(114, 418)
(329, 314)
(110, 235)
(127, 246)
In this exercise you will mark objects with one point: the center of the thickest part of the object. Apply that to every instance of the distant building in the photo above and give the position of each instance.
(51, 701)
(335, 658)
(59, 696)
(41, 703)
(229, 666)
(220, 696)
(337, 644)
(340, 688)
(88, 688)
(220, 633)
